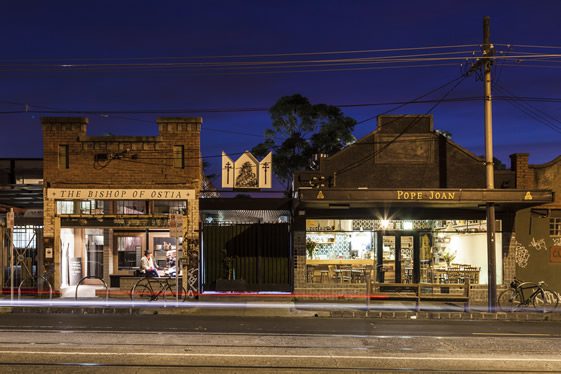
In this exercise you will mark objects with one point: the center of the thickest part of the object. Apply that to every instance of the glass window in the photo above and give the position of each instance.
(130, 207)
(439, 251)
(65, 207)
(129, 251)
(170, 206)
(91, 207)
(555, 226)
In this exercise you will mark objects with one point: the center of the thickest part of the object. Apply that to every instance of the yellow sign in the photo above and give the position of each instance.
(118, 194)
(425, 195)
(528, 196)
(320, 195)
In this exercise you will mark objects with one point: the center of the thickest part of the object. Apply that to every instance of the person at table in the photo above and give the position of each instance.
(147, 265)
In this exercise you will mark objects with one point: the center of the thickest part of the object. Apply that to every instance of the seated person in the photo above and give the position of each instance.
(147, 265)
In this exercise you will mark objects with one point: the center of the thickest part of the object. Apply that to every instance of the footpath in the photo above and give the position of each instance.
(283, 308)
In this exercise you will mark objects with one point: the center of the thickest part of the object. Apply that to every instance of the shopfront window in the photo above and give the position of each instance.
(129, 251)
(130, 207)
(65, 207)
(170, 207)
(91, 207)
(428, 251)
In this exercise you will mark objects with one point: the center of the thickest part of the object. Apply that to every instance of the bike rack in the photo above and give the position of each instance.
(93, 277)
(46, 280)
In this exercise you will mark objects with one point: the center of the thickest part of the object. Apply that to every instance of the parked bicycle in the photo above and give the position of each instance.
(152, 288)
(528, 295)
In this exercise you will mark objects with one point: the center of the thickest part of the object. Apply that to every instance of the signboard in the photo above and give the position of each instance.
(118, 194)
(48, 252)
(116, 222)
(246, 172)
(427, 195)
(176, 225)
(75, 270)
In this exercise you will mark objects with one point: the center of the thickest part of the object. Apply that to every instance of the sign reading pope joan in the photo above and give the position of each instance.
(118, 194)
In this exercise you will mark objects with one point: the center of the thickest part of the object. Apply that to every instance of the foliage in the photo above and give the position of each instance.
(498, 164)
(301, 129)
(448, 257)
(310, 248)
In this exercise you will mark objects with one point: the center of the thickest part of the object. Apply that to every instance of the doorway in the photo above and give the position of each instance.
(94, 253)
(397, 257)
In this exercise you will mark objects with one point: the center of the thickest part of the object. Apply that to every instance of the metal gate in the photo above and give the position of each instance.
(246, 257)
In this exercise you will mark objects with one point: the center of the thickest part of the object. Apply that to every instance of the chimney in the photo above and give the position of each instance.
(522, 174)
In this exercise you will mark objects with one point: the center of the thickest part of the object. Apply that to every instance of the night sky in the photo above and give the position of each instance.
(38, 37)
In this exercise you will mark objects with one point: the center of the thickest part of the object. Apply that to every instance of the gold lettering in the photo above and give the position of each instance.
(431, 195)
(399, 194)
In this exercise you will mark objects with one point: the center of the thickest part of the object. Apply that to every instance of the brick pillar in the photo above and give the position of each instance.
(299, 247)
(524, 177)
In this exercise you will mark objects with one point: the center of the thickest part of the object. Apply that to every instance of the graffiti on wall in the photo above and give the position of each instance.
(192, 267)
(555, 252)
(521, 254)
(538, 245)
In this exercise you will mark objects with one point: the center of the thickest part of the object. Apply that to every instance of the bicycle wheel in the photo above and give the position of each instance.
(509, 300)
(142, 293)
(169, 293)
(545, 300)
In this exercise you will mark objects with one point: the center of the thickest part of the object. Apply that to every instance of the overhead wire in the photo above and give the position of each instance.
(252, 55)
(355, 164)
(531, 111)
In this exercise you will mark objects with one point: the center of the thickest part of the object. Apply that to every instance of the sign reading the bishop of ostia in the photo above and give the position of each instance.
(247, 172)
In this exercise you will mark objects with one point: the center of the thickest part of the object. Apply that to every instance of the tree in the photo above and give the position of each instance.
(300, 130)
(497, 164)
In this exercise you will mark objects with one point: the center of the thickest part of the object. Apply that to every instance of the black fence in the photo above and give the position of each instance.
(246, 257)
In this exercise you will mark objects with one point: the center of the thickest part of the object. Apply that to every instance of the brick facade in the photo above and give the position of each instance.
(169, 160)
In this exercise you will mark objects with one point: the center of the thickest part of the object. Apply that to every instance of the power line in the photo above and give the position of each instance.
(355, 164)
(319, 53)
(533, 112)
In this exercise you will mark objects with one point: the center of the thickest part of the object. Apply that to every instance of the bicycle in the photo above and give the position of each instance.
(152, 288)
(527, 295)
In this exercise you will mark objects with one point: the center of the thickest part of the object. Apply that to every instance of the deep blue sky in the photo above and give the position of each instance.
(34, 31)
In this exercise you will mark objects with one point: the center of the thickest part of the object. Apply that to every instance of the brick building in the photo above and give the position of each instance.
(107, 199)
(405, 204)
(536, 245)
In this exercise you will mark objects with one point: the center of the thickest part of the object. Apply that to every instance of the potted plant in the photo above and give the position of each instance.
(448, 257)
(310, 248)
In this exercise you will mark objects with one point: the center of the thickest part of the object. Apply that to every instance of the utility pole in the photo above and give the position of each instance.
(10, 226)
(488, 51)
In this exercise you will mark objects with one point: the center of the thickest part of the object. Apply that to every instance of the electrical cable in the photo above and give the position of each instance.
(355, 164)
(263, 54)
(533, 112)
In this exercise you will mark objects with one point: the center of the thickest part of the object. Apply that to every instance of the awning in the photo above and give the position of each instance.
(434, 198)
(25, 196)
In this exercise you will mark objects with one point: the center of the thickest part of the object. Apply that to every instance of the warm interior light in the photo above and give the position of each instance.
(408, 225)
(385, 223)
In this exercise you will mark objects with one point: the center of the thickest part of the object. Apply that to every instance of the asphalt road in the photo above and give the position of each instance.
(207, 344)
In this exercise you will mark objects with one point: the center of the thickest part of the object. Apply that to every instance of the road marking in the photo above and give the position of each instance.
(235, 355)
(508, 334)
